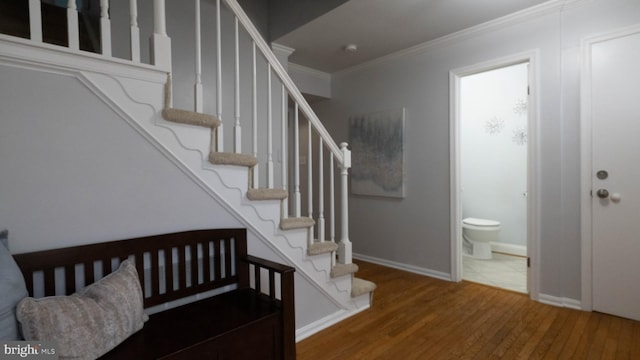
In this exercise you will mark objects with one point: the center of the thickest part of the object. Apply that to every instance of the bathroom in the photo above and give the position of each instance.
(493, 169)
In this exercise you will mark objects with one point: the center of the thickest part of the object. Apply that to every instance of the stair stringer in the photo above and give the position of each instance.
(187, 147)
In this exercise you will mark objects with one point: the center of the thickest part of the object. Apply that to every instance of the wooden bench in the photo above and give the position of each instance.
(253, 320)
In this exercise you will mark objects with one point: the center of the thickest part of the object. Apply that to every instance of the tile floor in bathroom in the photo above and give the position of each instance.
(504, 271)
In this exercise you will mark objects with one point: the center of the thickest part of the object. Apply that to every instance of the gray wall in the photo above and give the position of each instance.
(73, 172)
(415, 230)
(288, 15)
(258, 11)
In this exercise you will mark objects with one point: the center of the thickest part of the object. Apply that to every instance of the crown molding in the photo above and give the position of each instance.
(281, 49)
(321, 75)
(534, 12)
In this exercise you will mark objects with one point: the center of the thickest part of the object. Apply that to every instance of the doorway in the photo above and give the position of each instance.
(493, 153)
(610, 198)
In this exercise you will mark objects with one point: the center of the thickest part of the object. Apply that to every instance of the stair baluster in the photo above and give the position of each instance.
(135, 31)
(219, 130)
(105, 28)
(35, 20)
(72, 25)
(237, 129)
(198, 102)
(296, 162)
(332, 207)
(254, 100)
(310, 179)
(321, 229)
(284, 159)
(270, 170)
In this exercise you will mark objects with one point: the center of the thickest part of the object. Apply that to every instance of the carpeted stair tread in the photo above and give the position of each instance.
(224, 158)
(343, 269)
(322, 247)
(190, 117)
(361, 287)
(267, 194)
(296, 223)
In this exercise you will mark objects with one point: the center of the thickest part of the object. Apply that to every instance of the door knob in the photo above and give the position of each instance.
(602, 193)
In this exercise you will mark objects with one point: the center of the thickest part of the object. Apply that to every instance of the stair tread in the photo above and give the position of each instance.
(343, 269)
(267, 194)
(296, 223)
(224, 158)
(322, 247)
(361, 287)
(190, 117)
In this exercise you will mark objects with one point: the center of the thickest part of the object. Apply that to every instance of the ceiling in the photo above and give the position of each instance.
(381, 27)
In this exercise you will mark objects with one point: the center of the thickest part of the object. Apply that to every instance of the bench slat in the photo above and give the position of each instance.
(168, 269)
(206, 262)
(70, 277)
(227, 257)
(216, 260)
(194, 264)
(49, 282)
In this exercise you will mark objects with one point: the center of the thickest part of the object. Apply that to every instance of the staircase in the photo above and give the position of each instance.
(273, 176)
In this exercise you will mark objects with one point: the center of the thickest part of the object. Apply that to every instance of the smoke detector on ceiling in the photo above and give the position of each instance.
(350, 48)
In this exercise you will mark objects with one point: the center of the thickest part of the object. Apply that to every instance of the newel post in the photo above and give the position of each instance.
(344, 247)
(160, 42)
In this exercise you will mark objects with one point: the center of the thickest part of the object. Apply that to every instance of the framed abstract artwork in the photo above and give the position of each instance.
(377, 151)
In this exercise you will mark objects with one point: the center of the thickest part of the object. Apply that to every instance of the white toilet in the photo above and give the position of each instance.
(479, 233)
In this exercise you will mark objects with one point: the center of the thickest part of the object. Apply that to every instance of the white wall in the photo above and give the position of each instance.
(415, 230)
(493, 149)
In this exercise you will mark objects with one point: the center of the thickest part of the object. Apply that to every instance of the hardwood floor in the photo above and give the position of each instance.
(417, 317)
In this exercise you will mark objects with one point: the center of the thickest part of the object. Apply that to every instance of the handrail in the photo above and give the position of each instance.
(286, 80)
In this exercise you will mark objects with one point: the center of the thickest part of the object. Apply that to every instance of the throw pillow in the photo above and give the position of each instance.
(87, 324)
(12, 290)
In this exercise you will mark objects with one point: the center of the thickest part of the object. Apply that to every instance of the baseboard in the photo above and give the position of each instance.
(511, 249)
(560, 301)
(327, 321)
(406, 267)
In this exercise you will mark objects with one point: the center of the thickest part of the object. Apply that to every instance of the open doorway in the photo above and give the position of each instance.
(492, 171)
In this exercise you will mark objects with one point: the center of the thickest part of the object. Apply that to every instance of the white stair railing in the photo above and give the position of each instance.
(160, 47)
(340, 156)
(279, 93)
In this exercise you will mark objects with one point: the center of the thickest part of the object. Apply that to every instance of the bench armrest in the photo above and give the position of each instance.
(268, 264)
(287, 295)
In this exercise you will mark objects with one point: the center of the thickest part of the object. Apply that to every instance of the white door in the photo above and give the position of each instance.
(615, 178)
